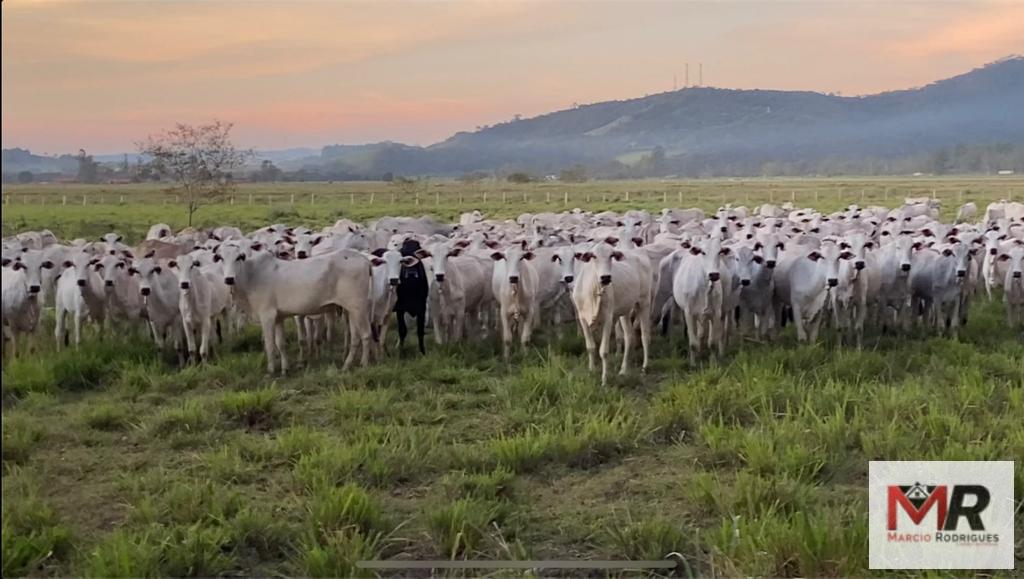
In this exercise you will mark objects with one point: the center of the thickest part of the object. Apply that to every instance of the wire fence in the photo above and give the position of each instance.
(885, 196)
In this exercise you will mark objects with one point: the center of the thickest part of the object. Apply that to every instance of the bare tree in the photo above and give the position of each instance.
(198, 159)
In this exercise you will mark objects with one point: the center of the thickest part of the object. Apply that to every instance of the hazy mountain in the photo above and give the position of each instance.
(697, 131)
(696, 127)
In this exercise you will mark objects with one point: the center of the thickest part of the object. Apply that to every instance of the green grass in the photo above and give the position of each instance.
(119, 463)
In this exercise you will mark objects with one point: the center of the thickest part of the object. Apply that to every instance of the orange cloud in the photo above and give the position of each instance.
(988, 30)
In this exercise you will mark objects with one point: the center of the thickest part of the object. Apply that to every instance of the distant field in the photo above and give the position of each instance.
(116, 462)
(86, 210)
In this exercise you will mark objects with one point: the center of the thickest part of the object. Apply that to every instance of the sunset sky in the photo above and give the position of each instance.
(101, 75)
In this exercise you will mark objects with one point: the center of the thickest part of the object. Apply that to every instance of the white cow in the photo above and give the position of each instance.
(938, 281)
(698, 290)
(80, 294)
(160, 293)
(20, 304)
(202, 300)
(275, 289)
(1013, 286)
(514, 285)
(613, 286)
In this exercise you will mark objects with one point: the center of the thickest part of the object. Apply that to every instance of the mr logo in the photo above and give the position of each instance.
(917, 500)
(940, 515)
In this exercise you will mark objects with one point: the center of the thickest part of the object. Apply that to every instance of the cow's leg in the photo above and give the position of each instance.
(458, 323)
(588, 338)
(526, 331)
(204, 343)
(421, 330)
(506, 334)
(645, 337)
(77, 321)
(403, 331)
(267, 325)
(607, 329)
(279, 344)
(190, 336)
(798, 321)
(627, 343)
(813, 325)
(61, 315)
(693, 335)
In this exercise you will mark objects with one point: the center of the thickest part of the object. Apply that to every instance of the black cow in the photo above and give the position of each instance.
(412, 292)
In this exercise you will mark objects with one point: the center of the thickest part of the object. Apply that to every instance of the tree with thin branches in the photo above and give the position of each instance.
(198, 159)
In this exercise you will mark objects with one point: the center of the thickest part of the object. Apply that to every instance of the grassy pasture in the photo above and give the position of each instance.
(118, 463)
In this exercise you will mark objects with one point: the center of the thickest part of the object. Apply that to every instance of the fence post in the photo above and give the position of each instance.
(565, 198)
(604, 197)
(231, 200)
(485, 196)
(627, 196)
(250, 198)
(815, 195)
(122, 200)
(64, 200)
(417, 198)
(503, 199)
(664, 197)
(373, 194)
(293, 199)
(392, 198)
(84, 201)
(960, 198)
(437, 197)
(861, 195)
(680, 197)
(548, 200)
(460, 198)
(352, 198)
(792, 196)
(771, 196)
(24, 200)
(524, 196)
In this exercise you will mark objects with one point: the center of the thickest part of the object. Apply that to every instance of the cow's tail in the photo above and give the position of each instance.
(374, 328)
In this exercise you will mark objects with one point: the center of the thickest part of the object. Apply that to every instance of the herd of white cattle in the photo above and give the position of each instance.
(735, 273)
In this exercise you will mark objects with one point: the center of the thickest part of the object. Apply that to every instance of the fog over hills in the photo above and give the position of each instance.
(701, 131)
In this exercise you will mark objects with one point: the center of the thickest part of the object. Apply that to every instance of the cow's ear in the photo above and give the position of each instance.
(758, 259)
(1004, 257)
(1002, 237)
(281, 240)
(869, 245)
(133, 271)
(685, 244)
(586, 256)
(618, 256)
(256, 246)
(150, 253)
(18, 265)
(613, 241)
(119, 265)
(379, 252)
(455, 252)
(695, 250)
(5, 262)
(845, 255)
(844, 245)
(119, 238)
(241, 257)
(947, 252)
(216, 257)
(172, 264)
(409, 261)
(556, 259)
(94, 261)
(67, 264)
(47, 264)
(214, 237)
(462, 243)
(377, 262)
(638, 241)
(724, 251)
(973, 251)
(317, 240)
(423, 253)
(351, 229)
(128, 254)
(158, 270)
(620, 224)
(917, 246)
(528, 255)
(814, 256)
(497, 256)
(758, 246)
